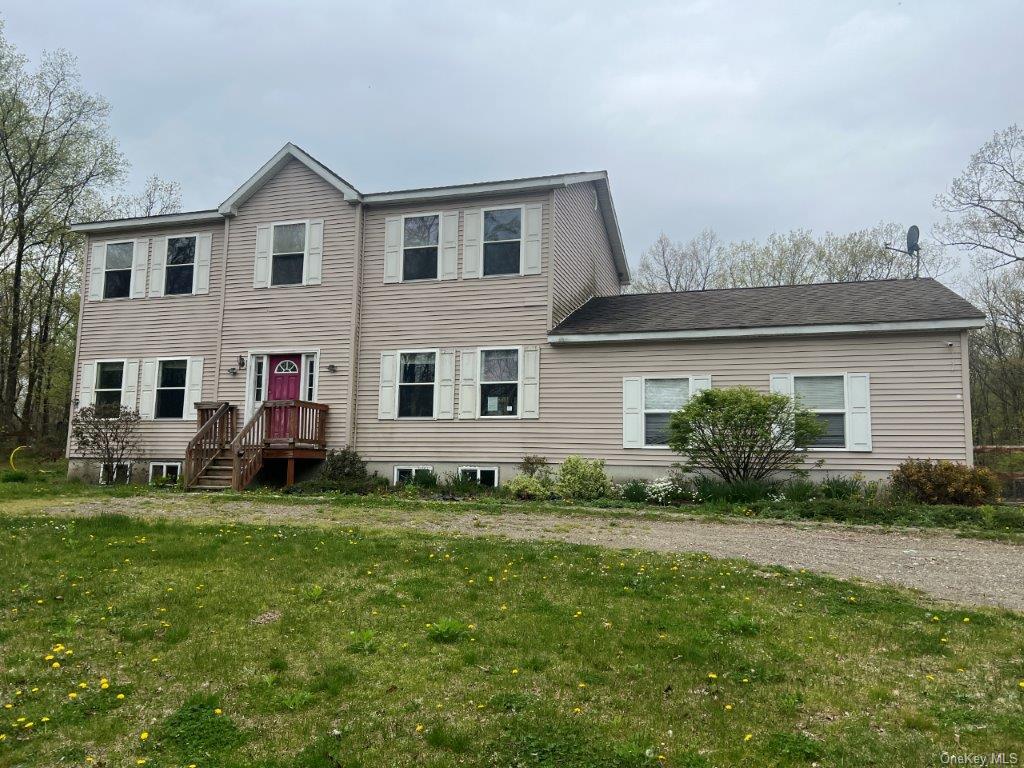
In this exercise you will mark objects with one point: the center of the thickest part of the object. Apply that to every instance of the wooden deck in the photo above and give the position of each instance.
(223, 456)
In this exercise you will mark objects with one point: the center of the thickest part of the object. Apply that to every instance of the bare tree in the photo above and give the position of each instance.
(695, 265)
(985, 204)
(157, 197)
(785, 259)
(110, 436)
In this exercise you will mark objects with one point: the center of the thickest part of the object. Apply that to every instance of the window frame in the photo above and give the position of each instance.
(154, 464)
(195, 257)
(401, 249)
(131, 270)
(128, 473)
(643, 404)
(480, 379)
(96, 379)
(846, 407)
(436, 351)
(483, 242)
(305, 254)
(411, 467)
(156, 388)
(478, 468)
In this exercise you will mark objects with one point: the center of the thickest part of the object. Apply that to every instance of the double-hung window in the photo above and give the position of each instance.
(825, 396)
(170, 389)
(108, 386)
(117, 270)
(662, 398)
(288, 254)
(417, 377)
(420, 236)
(503, 241)
(180, 266)
(499, 382)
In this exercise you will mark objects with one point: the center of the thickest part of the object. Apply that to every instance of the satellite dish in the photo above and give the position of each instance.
(913, 235)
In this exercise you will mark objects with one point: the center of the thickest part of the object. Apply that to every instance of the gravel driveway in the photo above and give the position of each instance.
(960, 570)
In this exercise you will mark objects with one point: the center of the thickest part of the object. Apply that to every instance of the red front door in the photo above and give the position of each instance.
(285, 380)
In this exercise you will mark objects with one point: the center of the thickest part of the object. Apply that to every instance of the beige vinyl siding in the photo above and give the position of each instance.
(583, 266)
(917, 406)
(293, 317)
(152, 327)
(460, 314)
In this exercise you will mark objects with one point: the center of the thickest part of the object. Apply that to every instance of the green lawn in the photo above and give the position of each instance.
(258, 646)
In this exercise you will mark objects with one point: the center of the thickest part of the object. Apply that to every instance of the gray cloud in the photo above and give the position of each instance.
(748, 117)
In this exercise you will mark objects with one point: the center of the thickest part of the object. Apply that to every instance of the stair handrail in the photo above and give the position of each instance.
(247, 449)
(207, 443)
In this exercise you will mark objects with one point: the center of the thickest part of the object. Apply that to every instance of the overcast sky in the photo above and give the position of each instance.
(746, 117)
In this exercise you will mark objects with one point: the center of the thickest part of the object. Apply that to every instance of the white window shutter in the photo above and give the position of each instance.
(387, 395)
(193, 386)
(201, 276)
(97, 261)
(531, 383)
(858, 404)
(157, 264)
(782, 384)
(393, 250)
(86, 385)
(147, 390)
(699, 383)
(472, 243)
(140, 268)
(448, 264)
(261, 270)
(315, 252)
(531, 239)
(632, 412)
(130, 384)
(467, 383)
(446, 384)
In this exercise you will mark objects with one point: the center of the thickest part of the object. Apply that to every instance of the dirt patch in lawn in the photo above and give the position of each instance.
(940, 564)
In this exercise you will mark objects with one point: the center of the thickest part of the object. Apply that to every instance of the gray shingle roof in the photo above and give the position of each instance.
(876, 301)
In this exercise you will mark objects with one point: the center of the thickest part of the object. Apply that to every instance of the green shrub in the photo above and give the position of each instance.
(456, 486)
(799, 489)
(343, 471)
(425, 480)
(533, 465)
(447, 631)
(740, 434)
(944, 482)
(14, 476)
(840, 487)
(581, 479)
(526, 488)
(712, 490)
(634, 490)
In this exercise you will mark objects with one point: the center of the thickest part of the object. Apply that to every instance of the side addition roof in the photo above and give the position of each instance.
(877, 305)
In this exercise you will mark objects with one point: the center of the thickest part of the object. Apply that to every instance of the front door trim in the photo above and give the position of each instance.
(250, 370)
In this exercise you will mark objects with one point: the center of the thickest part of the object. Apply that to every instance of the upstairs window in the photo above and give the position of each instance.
(180, 266)
(117, 270)
(825, 396)
(109, 383)
(417, 373)
(662, 398)
(170, 389)
(288, 254)
(499, 382)
(419, 247)
(503, 239)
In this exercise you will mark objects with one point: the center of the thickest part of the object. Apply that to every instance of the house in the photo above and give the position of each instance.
(460, 328)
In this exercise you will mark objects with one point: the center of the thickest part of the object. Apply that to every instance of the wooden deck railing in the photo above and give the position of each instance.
(296, 422)
(215, 433)
(247, 449)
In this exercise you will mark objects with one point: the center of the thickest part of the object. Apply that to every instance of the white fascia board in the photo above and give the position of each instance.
(778, 330)
(538, 184)
(288, 152)
(194, 217)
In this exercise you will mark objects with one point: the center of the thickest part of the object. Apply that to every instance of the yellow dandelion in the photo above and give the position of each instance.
(44, 719)
(218, 711)
(144, 735)
(712, 676)
(419, 727)
(72, 695)
(515, 671)
(56, 665)
(748, 737)
(967, 619)
(120, 696)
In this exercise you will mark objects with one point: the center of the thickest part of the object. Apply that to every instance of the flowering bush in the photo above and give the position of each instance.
(671, 490)
(580, 479)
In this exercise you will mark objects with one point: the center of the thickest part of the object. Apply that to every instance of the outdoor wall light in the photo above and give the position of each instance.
(241, 362)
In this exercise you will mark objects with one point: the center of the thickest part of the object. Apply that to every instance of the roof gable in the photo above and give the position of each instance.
(287, 153)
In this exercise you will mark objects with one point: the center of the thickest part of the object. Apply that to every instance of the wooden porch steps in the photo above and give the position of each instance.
(220, 456)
